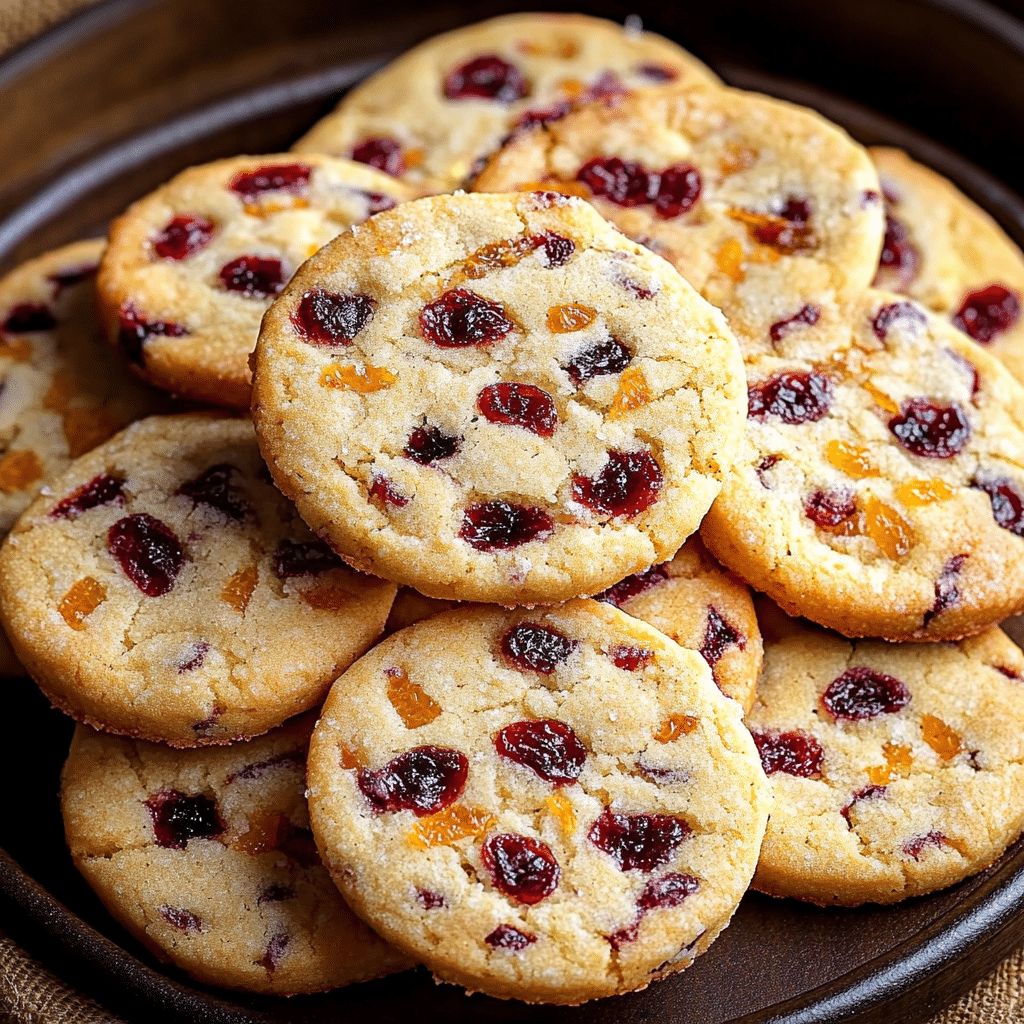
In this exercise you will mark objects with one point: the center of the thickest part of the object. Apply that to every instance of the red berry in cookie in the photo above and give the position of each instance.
(183, 236)
(548, 747)
(326, 319)
(148, 552)
(424, 780)
(522, 868)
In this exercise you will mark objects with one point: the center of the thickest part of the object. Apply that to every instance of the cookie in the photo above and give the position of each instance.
(431, 116)
(549, 806)
(880, 484)
(206, 857)
(947, 253)
(496, 398)
(897, 769)
(191, 268)
(163, 588)
(765, 208)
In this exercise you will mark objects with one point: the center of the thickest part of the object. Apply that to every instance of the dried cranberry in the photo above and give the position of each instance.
(294, 759)
(303, 558)
(183, 920)
(429, 900)
(970, 370)
(660, 775)
(1007, 502)
(197, 652)
(384, 492)
(657, 72)
(915, 847)
(460, 317)
(486, 77)
(100, 490)
(861, 692)
(808, 315)
(633, 585)
(423, 780)
(606, 85)
(430, 444)
(899, 256)
(275, 950)
(609, 356)
(253, 276)
(214, 488)
(507, 937)
(797, 211)
(148, 552)
(638, 842)
(947, 592)
(987, 313)
(679, 189)
(624, 935)
(629, 658)
(867, 793)
(794, 753)
(667, 891)
(1008, 672)
(627, 485)
(557, 249)
(69, 278)
(276, 892)
(531, 647)
(291, 177)
(381, 152)
(135, 331)
(633, 287)
(930, 430)
(544, 116)
(27, 317)
(522, 868)
(325, 318)
(519, 405)
(795, 396)
(762, 470)
(718, 635)
(500, 525)
(177, 818)
(547, 747)
(183, 236)
(895, 311)
(828, 509)
(624, 182)
(377, 202)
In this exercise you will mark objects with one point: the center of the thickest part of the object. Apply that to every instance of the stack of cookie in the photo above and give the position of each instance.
(656, 313)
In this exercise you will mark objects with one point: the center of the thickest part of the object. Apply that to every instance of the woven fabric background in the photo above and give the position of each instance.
(30, 994)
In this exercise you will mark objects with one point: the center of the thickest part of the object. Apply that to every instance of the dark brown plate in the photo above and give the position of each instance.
(112, 103)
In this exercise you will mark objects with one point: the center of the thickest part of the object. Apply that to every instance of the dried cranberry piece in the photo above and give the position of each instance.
(679, 189)
(898, 253)
(797, 211)
(522, 868)
(519, 405)
(915, 847)
(1007, 502)
(384, 492)
(214, 488)
(460, 317)
(423, 780)
(657, 72)
(544, 116)
(557, 249)
(486, 77)
(888, 315)
(807, 315)
(135, 331)
(547, 747)
(198, 652)
(275, 950)
(762, 470)
(867, 793)
(630, 659)
(148, 552)
(377, 202)
(861, 692)
(930, 430)
(829, 508)
(183, 236)
(430, 444)
(969, 369)
(381, 152)
(987, 313)
(100, 490)
(69, 278)
(177, 818)
(624, 182)
(292, 177)
(276, 892)
(633, 585)
(947, 592)
(429, 900)
(325, 318)
(183, 920)
(606, 85)
(718, 635)
(794, 753)
(609, 356)
(253, 276)
(500, 525)
(627, 485)
(661, 775)
(638, 842)
(303, 558)
(294, 759)
(27, 317)
(507, 937)
(795, 396)
(624, 935)
(531, 647)
(667, 891)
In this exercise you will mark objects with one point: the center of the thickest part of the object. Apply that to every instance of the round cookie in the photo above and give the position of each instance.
(766, 208)
(947, 253)
(206, 857)
(192, 267)
(431, 116)
(163, 588)
(880, 484)
(549, 806)
(897, 768)
(496, 398)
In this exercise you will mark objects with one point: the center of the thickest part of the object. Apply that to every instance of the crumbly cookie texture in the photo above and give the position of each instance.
(497, 398)
(550, 806)
(431, 116)
(163, 588)
(207, 858)
(946, 252)
(191, 268)
(880, 484)
(767, 209)
(897, 769)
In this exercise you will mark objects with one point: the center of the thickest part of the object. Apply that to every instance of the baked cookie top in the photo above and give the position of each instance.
(880, 485)
(206, 857)
(549, 806)
(897, 768)
(946, 252)
(163, 588)
(191, 268)
(432, 115)
(764, 207)
(496, 398)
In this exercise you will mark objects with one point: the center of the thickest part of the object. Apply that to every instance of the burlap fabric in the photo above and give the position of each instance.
(30, 994)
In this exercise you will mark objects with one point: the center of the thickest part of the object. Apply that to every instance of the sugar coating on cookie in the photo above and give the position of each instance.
(880, 484)
(549, 806)
(897, 768)
(206, 857)
(946, 252)
(191, 268)
(496, 398)
(432, 115)
(163, 588)
(767, 209)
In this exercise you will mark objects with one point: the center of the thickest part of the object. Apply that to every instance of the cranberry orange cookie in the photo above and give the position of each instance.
(946, 252)
(432, 115)
(550, 807)
(768, 210)
(880, 484)
(497, 398)
(163, 588)
(206, 857)
(191, 268)
(897, 768)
